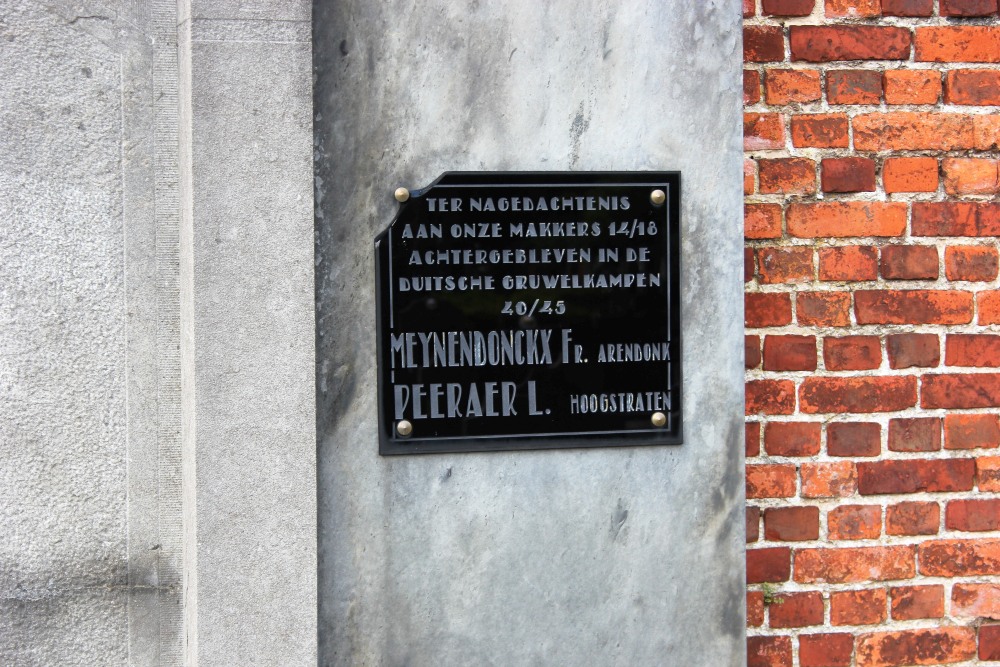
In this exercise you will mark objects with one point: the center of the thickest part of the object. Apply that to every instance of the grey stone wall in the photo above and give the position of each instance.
(157, 491)
(251, 360)
(596, 557)
(74, 377)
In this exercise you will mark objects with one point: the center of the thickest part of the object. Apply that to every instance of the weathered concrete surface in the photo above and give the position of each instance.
(90, 487)
(63, 556)
(92, 560)
(596, 557)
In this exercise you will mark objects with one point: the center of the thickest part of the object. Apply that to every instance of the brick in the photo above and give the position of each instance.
(770, 397)
(981, 390)
(770, 481)
(854, 565)
(968, 7)
(846, 218)
(857, 394)
(974, 350)
(826, 650)
(853, 439)
(790, 353)
(823, 309)
(973, 516)
(972, 86)
(788, 7)
(854, 522)
(908, 603)
(751, 351)
(769, 651)
(749, 8)
(917, 86)
(797, 610)
(988, 303)
(864, 607)
(912, 307)
(971, 263)
(763, 44)
(986, 132)
(935, 646)
(848, 263)
(852, 353)
(921, 434)
(784, 86)
(971, 431)
(909, 262)
(956, 219)
(828, 480)
(751, 86)
(820, 131)
(768, 565)
(752, 440)
(915, 434)
(960, 44)
(959, 558)
(753, 524)
(989, 642)
(971, 176)
(784, 265)
(749, 268)
(763, 131)
(762, 221)
(912, 130)
(976, 600)
(915, 475)
(910, 174)
(749, 176)
(913, 350)
(912, 518)
(767, 309)
(907, 7)
(988, 473)
(791, 524)
(849, 42)
(848, 174)
(853, 8)
(792, 438)
(755, 609)
(790, 176)
(856, 86)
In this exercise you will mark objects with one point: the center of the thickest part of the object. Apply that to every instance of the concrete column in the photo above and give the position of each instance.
(157, 381)
(248, 344)
(597, 557)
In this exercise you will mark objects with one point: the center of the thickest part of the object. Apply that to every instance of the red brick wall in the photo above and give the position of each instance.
(873, 348)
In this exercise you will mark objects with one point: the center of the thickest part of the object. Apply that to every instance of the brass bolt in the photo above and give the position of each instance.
(659, 419)
(401, 194)
(404, 428)
(658, 197)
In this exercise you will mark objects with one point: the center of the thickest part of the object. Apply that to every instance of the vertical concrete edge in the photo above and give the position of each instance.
(150, 209)
(188, 444)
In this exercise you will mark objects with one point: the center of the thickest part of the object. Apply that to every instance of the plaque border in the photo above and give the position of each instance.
(390, 445)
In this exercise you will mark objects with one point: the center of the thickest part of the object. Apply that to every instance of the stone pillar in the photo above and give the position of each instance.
(158, 486)
(602, 556)
(248, 347)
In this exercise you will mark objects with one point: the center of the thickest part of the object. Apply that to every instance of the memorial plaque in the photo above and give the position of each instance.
(530, 311)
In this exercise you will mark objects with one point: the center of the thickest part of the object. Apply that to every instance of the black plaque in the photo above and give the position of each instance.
(530, 311)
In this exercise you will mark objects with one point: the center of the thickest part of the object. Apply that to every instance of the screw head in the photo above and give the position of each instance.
(404, 428)
(658, 197)
(659, 419)
(401, 194)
